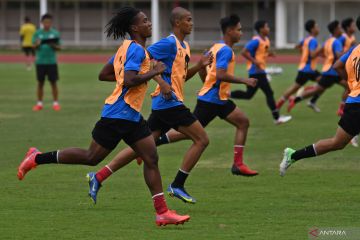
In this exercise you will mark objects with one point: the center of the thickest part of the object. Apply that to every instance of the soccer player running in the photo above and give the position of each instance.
(256, 52)
(46, 42)
(121, 118)
(348, 67)
(307, 67)
(332, 50)
(26, 32)
(168, 109)
(347, 40)
(213, 97)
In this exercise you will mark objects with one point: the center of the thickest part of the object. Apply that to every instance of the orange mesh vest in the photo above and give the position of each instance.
(329, 54)
(262, 52)
(135, 95)
(178, 71)
(305, 53)
(352, 67)
(348, 42)
(211, 79)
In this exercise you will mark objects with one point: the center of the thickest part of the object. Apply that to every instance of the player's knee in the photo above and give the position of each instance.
(92, 159)
(153, 159)
(244, 122)
(204, 141)
(338, 145)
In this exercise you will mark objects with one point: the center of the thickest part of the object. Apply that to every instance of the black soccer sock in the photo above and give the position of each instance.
(298, 99)
(163, 139)
(275, 114)
(305, 152)
(180, 179)
(45, 158)
(314, 99)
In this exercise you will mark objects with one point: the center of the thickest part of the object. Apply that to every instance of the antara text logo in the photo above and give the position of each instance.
(333, 233)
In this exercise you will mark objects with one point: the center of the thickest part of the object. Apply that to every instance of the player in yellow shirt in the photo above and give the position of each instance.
(26, 32)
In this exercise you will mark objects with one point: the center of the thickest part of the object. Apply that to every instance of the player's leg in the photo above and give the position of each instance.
(40, 76)
(238, 119)
(300, 80)
(146, 149)
(339, 141)
(288, 92)
(171, 136)
(348, 128)
(91, 156)
(317, 90)
(264, 85)
(53, 78)
(197, 134)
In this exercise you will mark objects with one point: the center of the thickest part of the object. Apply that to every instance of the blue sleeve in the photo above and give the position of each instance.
(313, 45)
(342, 40)
(134, 57)
(223, 57)
(111, 60)
(252, 45)
(345, 57)
(301, 42)
(337, 48)
(162, 49)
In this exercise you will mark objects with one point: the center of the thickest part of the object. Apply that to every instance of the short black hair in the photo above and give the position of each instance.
(309, 25)
(346, 23)
(332, 26)
(120, 24)
(358, 22)
(259, 25)
(230, 21)
(46, 16)
(27, 19)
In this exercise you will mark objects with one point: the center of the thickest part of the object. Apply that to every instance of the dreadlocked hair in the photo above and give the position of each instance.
(120, 24)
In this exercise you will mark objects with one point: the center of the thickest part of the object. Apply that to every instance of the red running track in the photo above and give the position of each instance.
(103, 58)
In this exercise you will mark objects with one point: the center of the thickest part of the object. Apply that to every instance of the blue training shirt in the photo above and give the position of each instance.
(165, 51)
(336, 48)
(120, 109)
(313, 44)
(252, 46)
(343, 59)
(223, 57)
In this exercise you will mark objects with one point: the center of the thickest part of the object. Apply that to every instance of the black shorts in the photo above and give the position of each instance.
(327, 81)
(28, 51)
(108, 132)
(350, 120)
(205, 112)
(303, 77)
(174, 117)
(49, 70)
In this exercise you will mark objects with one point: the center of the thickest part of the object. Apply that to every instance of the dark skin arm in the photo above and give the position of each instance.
(246, 54)
(107, 73)
(132, 78)
(339, 67)
(222, 75)
(205, 60)
(202, 74)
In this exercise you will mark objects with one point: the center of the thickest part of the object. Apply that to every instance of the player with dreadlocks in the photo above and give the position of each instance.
(121, 118)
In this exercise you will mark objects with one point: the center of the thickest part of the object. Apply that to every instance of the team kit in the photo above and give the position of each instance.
(167, 63)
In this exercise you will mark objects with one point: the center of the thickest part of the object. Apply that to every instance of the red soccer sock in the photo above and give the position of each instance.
(103, 173)
(159, 203)
(238, 155)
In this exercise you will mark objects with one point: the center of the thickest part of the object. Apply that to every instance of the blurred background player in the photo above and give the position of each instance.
(307, 68)
(332, 50)
(26, 32)
(348, 67)
(256, 52)
(121, 118)
(168, 109)
(213, 97)
(46, 41)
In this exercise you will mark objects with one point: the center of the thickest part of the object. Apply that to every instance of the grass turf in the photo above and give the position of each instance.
(52, 202)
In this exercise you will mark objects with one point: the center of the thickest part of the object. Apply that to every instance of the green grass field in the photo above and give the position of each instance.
(52, 202)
